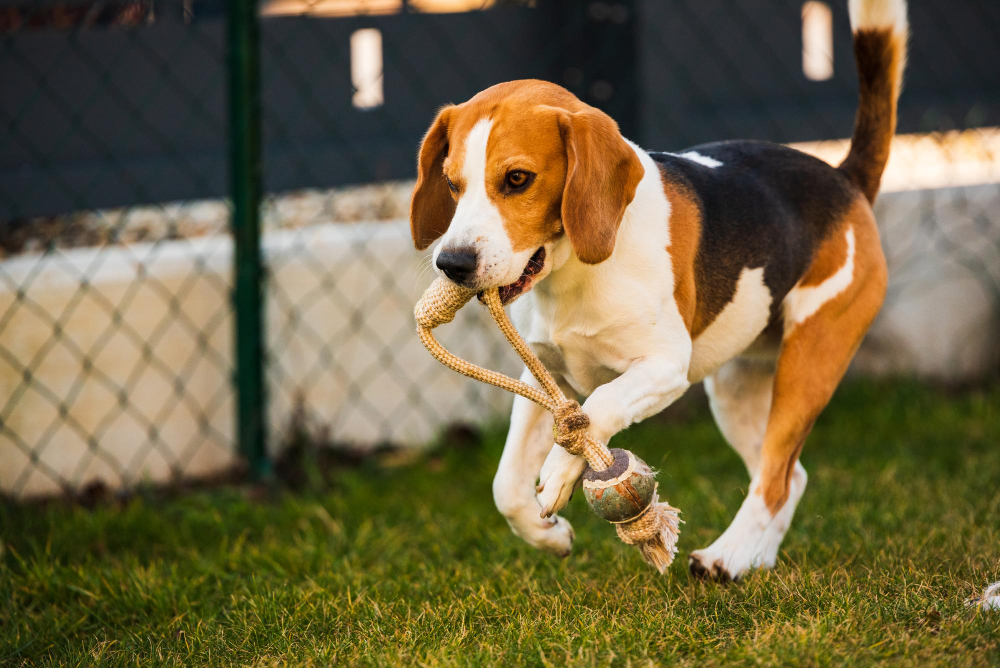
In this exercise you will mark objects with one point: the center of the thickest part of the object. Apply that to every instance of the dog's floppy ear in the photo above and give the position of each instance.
(602, 173)
(432, 206)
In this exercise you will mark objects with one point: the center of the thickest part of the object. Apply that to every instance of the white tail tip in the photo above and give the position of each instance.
(874, 14)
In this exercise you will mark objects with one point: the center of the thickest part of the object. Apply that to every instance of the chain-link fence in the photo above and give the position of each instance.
(115, 330)
(118, 337)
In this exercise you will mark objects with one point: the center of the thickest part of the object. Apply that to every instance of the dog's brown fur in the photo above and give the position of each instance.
(880, 55)
(685, 233)
(816, 353)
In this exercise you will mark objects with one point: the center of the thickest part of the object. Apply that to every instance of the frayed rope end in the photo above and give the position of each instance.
(655, 534)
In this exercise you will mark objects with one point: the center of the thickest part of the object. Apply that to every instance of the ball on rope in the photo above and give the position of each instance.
(621, 492)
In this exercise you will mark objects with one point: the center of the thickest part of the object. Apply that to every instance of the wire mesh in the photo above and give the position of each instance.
(116, 325)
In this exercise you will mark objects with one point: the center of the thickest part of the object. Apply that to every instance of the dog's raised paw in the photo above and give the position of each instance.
(557, 480)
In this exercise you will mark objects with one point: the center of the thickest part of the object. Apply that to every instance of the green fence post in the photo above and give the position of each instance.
(245, 190)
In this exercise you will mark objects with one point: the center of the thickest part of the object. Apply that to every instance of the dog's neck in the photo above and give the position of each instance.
(642, 236)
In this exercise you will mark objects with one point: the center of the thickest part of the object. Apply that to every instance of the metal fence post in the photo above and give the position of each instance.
(245, 190)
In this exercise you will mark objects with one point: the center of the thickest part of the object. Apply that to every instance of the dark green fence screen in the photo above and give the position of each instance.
(203, 246)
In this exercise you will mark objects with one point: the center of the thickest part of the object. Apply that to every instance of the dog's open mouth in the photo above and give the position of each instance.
(510, 292)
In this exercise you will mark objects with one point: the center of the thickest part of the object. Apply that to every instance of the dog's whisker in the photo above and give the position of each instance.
(426, 264)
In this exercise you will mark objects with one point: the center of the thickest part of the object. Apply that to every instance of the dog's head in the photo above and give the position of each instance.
(504, 175)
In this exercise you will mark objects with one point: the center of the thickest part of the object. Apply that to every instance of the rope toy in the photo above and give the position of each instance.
(618, 486)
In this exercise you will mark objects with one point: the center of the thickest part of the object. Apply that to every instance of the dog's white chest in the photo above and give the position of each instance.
(586, 362)
(594, 351)
(586, 357)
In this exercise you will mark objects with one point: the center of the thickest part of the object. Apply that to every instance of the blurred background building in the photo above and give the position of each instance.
(116, 324)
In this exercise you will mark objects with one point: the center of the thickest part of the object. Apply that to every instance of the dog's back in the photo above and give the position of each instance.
(760, 205)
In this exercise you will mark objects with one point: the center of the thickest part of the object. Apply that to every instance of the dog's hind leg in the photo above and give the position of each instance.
(739, 395)
(825, 320)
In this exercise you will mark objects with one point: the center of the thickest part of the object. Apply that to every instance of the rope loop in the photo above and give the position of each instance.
(654, 531)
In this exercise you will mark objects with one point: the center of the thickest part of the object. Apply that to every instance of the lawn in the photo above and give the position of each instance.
(406, 562)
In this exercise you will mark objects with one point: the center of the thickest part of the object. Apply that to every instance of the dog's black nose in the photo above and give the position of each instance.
(458, 265)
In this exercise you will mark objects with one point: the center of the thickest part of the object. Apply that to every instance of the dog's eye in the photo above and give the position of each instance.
(518, 179)
(451, 185)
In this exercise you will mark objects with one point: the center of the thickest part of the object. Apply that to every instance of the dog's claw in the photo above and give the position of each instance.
(717, 571)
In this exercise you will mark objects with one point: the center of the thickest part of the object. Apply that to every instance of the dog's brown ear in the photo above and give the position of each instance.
(602, 173)
(432, 206)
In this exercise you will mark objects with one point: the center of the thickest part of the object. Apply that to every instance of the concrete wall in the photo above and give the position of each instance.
(147, 344)
(346, 365)
(941, 318)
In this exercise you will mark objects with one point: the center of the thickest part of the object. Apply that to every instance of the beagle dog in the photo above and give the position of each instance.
(744, 264)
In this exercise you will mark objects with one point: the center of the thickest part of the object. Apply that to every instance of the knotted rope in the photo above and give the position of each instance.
(654, 527)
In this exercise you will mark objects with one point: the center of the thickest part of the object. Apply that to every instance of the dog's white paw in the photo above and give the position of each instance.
(519, 506)
(558, 478)
(730, 559)
(752, 540)
(552, 534)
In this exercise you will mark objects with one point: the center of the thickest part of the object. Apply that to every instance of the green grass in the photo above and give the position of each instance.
(411, 564)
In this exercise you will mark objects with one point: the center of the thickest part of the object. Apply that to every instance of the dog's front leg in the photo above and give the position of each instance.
(528, 442)
(647, 386)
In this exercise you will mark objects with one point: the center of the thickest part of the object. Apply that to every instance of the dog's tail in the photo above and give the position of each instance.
(880, 30)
